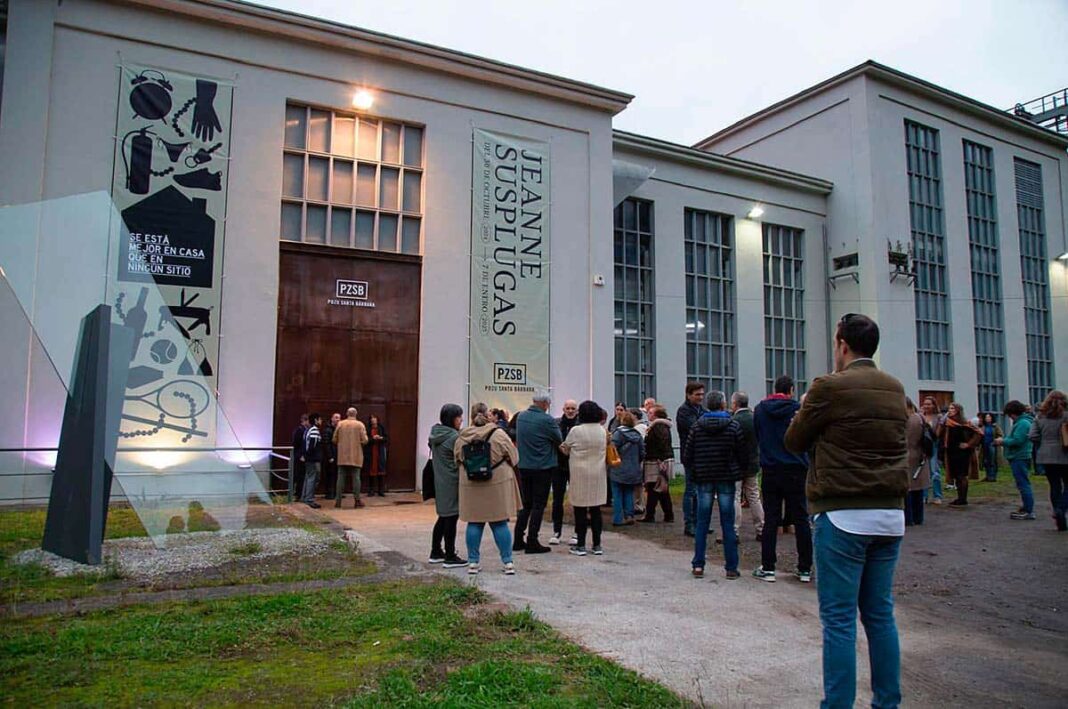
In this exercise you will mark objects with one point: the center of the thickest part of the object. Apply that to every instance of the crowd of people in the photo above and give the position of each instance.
(847, 466)
(337, 454)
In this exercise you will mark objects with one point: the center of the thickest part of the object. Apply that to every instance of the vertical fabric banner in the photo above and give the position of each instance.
(169, 187)
(509, 348)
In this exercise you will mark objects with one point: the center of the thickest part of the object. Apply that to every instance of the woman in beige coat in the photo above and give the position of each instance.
(919, 465)
(492, 501)
(585, 448)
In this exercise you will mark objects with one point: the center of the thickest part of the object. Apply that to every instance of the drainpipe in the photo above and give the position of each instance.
(827, 295)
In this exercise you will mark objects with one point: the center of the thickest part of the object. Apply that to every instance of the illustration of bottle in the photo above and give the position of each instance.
(136, 317)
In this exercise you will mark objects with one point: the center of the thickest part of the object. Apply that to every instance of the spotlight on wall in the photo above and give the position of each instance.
(362, 100)
(756, 212)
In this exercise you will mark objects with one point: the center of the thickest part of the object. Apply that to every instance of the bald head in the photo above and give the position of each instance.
(351, 413)
(570, 409)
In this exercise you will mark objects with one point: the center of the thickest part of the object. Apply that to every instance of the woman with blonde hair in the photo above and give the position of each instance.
(1048, 434)
(959, 439)
(493, 501)
(631, 448)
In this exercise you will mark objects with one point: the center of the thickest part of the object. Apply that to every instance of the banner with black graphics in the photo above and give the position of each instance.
(509, 350)
(169, 186)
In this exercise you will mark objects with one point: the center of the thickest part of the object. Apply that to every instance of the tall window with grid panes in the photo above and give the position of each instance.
(986, 276)
(352, 181)
(784, 306)
(711, 348)
(634, 328)
(933, 337)
(1034, 266)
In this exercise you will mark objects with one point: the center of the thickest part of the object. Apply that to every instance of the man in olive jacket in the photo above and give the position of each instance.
(853, 423)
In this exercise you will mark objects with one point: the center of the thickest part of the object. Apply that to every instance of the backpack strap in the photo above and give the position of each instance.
(486, 440)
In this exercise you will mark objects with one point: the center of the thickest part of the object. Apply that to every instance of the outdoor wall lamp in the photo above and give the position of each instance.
(362, 100)
(756, 212)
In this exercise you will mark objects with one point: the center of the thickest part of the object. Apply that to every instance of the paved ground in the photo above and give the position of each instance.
(968, 637)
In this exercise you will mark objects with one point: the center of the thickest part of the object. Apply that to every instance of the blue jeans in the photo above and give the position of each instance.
(725, 492)
(936, 473)
(1020, 471)
(502, 535)
(857, 571)
(990, 461)
(689, 501)
(622, 502)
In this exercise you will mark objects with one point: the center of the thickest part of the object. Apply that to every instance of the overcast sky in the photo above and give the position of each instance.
(699, 66)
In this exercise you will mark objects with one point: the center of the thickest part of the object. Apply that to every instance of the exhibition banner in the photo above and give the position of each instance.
(169, 186)
(510, 216)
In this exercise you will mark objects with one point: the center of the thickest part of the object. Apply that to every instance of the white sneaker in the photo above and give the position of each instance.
(555, 539)
(473, 569)
(509, 569)
(573, 541)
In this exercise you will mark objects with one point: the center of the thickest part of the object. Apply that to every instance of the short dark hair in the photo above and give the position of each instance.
(314, 418)
(659, 412)
(304, 417)
(784, 384)
(691, 387)
(859, 332)
(1014, 408)
(449, 412)
(589, 412)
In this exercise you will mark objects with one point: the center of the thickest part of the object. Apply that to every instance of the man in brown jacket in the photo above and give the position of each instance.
(350, 437)
(853, 424)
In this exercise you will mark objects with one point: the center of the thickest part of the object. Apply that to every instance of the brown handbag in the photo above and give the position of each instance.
(1064, 434)
(611, 456)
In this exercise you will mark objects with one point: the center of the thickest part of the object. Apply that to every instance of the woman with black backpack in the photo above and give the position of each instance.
(489, 490)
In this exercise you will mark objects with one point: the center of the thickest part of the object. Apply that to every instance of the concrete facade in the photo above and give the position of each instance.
(56, 136)
(829, 161)
(850, 130)
(685, 178)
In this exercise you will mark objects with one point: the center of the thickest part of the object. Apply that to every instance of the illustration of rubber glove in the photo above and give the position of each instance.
(205, 122)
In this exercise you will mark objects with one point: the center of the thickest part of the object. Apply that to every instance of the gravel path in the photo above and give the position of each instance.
(138, 559)
(747, 643)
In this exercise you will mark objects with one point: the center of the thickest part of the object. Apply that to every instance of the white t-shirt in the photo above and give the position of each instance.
(875, 522)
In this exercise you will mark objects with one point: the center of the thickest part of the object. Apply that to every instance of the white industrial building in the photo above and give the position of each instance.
(350, 161)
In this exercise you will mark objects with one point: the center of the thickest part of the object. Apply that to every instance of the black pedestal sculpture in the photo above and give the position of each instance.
(81, 485)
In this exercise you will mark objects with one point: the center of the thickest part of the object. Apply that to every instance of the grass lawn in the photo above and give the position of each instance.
(28, 583)
(397, 644)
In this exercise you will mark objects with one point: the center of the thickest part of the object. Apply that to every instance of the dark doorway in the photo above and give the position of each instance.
(942, 398)
(348, 335)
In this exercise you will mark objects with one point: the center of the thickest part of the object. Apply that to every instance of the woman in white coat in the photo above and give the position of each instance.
(585, 448)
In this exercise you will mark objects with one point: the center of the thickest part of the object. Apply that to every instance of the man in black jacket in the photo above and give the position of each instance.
(685, 417)
(717, 456)
(329, 467)
(296, 457)
(783, 481)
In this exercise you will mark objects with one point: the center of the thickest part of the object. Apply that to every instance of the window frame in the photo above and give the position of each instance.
(641, 376)
(702, 343)
(336, 203)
